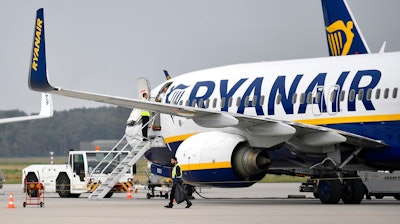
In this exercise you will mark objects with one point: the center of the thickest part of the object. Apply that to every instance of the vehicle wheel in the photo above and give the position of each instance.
(353, 191)
(329, 191)
(74, 195)
(378, 196)
(109, 195)
(63, 186)
(31, 177)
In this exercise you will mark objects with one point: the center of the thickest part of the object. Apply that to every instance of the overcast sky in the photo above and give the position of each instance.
(104, 46)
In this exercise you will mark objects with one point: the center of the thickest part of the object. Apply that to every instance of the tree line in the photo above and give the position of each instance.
(65, 130)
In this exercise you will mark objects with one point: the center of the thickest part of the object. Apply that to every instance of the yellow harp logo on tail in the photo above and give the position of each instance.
(340, 37)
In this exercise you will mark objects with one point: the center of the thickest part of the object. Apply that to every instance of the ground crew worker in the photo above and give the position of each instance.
(176, 180)
(145, 119)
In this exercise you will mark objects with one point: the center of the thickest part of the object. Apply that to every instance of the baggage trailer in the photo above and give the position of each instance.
(34, 194)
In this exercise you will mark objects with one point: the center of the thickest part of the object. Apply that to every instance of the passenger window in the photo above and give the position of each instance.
(333, 95)
(369, 94)
(201, 103)
(309, 97)
(180, 102)
(377, 93)
(238, 101)
(394, 95)
(194, 103)
(207, 103)
(386, 93)
(278, 99)
(187, 103)
(223, 99)
(230, 102)
(214, 103)
(318, 97)
(360, 94)
(342, 94)
(246, 101)
(352, 95)
(262, 98)
(302, 98)
(294, 98)
(254, 103)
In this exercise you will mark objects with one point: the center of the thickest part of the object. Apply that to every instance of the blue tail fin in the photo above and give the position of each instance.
(38, 77)
(342, 32)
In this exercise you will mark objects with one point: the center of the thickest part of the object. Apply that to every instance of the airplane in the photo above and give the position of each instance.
(230, 126)
(46, 111)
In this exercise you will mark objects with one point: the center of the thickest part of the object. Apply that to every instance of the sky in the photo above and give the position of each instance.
(104, 46)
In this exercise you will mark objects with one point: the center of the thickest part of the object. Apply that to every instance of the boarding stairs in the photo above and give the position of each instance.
(138, 146)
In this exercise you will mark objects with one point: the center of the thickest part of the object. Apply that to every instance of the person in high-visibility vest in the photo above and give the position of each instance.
(145, 119)
(176, 180)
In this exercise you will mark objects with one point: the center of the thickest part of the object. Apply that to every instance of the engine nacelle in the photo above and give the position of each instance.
(221, 159)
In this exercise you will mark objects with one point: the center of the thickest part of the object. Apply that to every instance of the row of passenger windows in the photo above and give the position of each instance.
(361, 95)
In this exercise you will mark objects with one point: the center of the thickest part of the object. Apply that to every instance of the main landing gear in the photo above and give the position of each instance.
(350, 190)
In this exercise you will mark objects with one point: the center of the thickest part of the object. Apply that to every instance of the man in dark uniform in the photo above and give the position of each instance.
(176, 180)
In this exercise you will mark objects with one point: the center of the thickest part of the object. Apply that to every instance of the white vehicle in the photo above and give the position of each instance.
(82, 174)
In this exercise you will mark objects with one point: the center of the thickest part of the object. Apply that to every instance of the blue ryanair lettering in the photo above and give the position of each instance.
(279, 86)
(228, 94)
(251, 98)
(209, 87)
(355, 84)
(254, 87)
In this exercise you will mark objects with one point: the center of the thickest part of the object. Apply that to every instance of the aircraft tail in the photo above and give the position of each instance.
(343, 34)
(37, 77)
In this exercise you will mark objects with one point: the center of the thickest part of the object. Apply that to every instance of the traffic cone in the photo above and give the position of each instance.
(11, 201)
(129, 194)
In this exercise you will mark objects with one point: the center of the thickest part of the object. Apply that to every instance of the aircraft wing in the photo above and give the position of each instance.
(46, 111)
(218, 119)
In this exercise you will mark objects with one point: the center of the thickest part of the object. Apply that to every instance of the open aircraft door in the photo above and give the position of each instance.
(143, 86)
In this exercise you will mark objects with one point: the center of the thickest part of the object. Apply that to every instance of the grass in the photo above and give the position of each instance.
(12, 170)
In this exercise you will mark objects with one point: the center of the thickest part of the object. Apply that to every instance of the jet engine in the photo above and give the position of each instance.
(221, 159)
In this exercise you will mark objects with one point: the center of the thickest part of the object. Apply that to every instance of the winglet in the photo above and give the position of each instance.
(343, 34)
(46, 109)
(38, 78)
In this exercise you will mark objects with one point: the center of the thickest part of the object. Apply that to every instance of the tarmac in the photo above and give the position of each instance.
(261, 203)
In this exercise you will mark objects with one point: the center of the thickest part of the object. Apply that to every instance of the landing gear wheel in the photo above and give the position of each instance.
(24, 204)
(148, 195)
(329, 191)
(41, 204)
(353, 191)
(166, 195)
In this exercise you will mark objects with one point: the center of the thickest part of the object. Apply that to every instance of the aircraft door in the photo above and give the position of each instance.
(143, 87)
(333, 102)
(318, 100)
